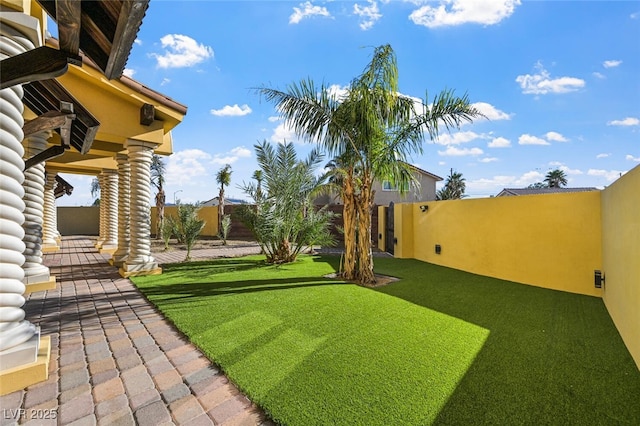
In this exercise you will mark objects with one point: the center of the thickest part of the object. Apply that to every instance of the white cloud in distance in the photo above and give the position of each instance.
(629, 121)
(611, 63)
(129, 72)
(185, 166)
(181, 51)
(458, 12)
(541, 83)
(491, 112)
(307, 10)
(556, 137)
(603, 155)
(499, 142)
(452, 151)
(232, 111)
(632, 158)
(457, 138)
(609, 175)
(527, 139)
(231, 156)
(369, 14)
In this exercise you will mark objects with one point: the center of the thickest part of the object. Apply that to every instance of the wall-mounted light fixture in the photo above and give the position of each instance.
(379, 236)
(438, 249)
(424, 208)
(598, 278)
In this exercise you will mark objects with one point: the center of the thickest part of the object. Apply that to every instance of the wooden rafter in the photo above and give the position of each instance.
(69, 15)
(42, 63)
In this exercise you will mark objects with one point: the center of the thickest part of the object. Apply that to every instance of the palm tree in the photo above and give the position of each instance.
(454, 187)
(95, 191)
(258, 176)
(556, 179)
(157, 179)
(374, 129)
(223, 177)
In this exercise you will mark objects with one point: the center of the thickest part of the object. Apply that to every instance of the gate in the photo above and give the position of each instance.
(388, 231)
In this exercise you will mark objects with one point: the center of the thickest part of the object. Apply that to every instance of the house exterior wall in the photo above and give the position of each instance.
(621, 257)
(425, 192)
(551, 241)
(209, 214)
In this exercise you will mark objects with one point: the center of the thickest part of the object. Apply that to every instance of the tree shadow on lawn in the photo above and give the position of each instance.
(551, 357)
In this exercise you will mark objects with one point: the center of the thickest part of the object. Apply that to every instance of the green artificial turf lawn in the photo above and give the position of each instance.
(439, 346)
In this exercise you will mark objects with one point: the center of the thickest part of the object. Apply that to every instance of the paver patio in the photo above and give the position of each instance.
(114, 358)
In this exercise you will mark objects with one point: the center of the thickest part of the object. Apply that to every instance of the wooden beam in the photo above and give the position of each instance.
(129, 21)
(48, 121)
(52, 152)
(69, 15)
(42, 63)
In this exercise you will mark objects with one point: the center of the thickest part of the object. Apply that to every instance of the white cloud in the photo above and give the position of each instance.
(181, 51)
(599, 75)
(441, 163)
(306, 10)
(488, 160)
(527, 139)
(232, 156)
(138, 41)
(283, 133)
(491, 112)
(556, 137)
(369, 14)
(499, 142)
(165, 81)
(609, 175)
(184, 166)
(611, 64)
(457, 138)
(569, 171)
(458, 12)
(497, 183)
(273, 118)
(632, 158)
(634, 15)
(541, 83)
(337, 91)
(232, 111)
(129, 72)
(452, 151)
(603, 155)
(629, 121)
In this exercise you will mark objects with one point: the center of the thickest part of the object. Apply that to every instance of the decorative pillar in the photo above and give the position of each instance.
(36, 275)
(101, 206)
(140, 261)
(124, 212)
(110, 194)
(49, 243)
(20, 343)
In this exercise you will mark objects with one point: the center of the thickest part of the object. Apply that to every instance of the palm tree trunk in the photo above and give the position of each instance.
(160, 202)
(365, 273)
(349, 226)
(220, 208)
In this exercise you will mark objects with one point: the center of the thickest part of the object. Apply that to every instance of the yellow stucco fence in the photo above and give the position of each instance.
(555, 241)
(209, 214)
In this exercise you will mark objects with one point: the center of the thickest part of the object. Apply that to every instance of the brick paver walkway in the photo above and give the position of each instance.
(115, 360)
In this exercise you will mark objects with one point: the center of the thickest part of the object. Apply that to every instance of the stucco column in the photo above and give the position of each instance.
(110, 194)
(102, 209)
(19, 340)
(36, 275)
(49, 230)
(124, 212)
(140, 261)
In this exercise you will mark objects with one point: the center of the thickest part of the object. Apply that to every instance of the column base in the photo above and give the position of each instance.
(118, 261)
(134, 270)
(21, 376)
(108, 248)
(50, 248)
(32, 287)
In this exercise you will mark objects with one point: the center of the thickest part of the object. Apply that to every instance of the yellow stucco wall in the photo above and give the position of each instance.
(209, 214)
(382, 224)
(621, 257)
(551, 241)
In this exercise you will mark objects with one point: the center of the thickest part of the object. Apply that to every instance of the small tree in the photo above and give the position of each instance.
(225, 228)
(556, 179)
(157, 180)
(187, 226)
(168, 228)
(95, 191)
(223, 177)
(454, 187)
(283, 220)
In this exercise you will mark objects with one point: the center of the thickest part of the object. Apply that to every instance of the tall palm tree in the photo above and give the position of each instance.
(258, 176)
(95, 191)
(556, 179)
(374, 129)
(454, 187)
(157, 179)
(223, 177)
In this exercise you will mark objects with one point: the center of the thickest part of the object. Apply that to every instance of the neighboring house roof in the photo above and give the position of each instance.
(227, 201)
(534, 191)
(424, 172)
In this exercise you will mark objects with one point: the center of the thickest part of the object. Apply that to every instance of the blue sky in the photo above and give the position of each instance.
(559, 80)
